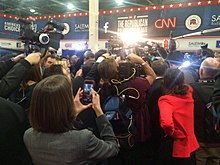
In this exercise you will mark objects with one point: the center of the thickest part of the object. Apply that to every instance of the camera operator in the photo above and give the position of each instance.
(13, 71)
(108, 70)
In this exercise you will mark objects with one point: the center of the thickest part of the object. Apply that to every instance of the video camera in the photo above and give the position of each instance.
(129, 69)
(49, 36)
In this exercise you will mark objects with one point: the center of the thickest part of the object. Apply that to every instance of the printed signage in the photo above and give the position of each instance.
(15, 27)
(81, 27)
(162, 23)
(66, 29)
(215, 20)
(193, 22)
(196, 44)
(139, 23)
(153, 23)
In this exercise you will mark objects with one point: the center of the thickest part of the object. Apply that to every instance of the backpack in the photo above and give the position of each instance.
(120, 116)
(212, 115)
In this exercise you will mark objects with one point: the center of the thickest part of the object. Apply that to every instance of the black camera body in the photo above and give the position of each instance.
(50, 35)
(128, 69)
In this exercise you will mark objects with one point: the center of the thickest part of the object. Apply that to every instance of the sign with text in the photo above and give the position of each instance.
(137, 22)
(154, 23)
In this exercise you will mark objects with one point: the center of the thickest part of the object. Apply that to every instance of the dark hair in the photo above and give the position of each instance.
(88, 55)
(63, 57)
(100, 53)
(53, 70)
(51, 109)
(34, 74)
(44, 59)
(159, 67)
(108, 70)
(86, 68)
(174, 82)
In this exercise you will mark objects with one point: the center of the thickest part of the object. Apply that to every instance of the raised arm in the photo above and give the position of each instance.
(150, 75)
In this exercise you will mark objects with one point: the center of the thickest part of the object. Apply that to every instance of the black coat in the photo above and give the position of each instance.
(13, 123)
(216, 94)
(11, 76)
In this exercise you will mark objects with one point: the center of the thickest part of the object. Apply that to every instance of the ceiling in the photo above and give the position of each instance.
(22, 8)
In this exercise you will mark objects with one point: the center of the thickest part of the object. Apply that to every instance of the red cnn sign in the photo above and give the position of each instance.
(165, 23)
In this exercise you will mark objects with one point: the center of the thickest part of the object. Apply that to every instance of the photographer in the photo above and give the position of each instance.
(108, 70)
(13, 71)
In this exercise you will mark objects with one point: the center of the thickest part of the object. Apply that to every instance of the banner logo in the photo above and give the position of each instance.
(66, 29)
(165, 23)
(193, 22)
(106, 27)
(136, 22)
(215, 20)
(81, 27)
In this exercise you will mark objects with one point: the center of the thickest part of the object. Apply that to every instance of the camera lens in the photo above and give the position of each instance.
(44, 39)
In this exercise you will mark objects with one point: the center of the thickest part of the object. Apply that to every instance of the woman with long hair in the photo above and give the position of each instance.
(54, 138)
(177, 119)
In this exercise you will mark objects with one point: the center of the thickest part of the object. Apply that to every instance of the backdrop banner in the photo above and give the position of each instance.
(153, 23)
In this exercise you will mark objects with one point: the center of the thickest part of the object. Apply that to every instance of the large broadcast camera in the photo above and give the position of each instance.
(48, 37)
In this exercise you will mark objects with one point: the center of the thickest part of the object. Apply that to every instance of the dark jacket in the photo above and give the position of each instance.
(216, 94)
(202, 92)
(12, 127)
(153, 95)
(11, 76)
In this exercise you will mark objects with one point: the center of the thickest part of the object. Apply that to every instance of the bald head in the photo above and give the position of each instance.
(209, 68)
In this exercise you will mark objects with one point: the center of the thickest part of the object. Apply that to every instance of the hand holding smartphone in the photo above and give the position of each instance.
(87, 94)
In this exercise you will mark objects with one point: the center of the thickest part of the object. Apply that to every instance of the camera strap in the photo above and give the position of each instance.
(115, 81)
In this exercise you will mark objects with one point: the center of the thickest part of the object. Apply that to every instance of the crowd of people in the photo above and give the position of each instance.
(44, 121)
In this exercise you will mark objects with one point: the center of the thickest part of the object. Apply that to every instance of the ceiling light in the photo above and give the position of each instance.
(119, 1)
(32, 10)
(70, 6)
(36, 13)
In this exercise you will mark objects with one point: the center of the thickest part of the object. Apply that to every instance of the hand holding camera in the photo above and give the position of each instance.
(135, 58)
(33, 58)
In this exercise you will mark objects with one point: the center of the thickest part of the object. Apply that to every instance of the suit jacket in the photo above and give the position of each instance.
(73, 147)
(177, 120)
(153, 95)
(13, 123)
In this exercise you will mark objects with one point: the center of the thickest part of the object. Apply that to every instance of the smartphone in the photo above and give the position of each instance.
(87, 94)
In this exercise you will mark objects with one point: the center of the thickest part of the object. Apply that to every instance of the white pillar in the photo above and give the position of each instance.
(93, 24)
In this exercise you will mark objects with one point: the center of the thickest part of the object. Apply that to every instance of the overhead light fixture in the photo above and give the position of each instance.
(70, 6)
(36, 13)
(119, 1)
(32, 10)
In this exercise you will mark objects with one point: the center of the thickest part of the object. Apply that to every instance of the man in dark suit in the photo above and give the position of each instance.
(154, 93)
